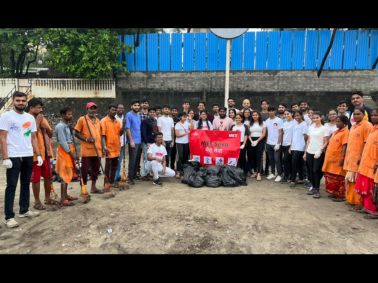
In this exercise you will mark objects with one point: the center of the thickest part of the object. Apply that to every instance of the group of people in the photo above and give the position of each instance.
(295, 144)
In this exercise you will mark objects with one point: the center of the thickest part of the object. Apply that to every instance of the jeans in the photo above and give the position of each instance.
(157, 170)
(22, 167)
(144, 151)
(134, 159)
(183, 155)
(286, 161)
(275, 159)
(297, 164)
(169, 149)
(315, 172)
(119, 165)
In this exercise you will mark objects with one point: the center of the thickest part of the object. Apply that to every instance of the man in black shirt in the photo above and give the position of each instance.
(148, 130)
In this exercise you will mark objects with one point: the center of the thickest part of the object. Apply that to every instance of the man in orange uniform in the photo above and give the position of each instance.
(44, 134)
(366, 170)
(111, 146)
(357, 138)
(88, 130)
(334, 160)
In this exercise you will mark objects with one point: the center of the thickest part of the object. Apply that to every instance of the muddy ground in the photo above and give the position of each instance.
(263, 217)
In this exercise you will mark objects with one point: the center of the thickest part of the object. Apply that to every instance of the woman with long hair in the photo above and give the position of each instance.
(244, 132)
(287, 128)
(232, 114)
(257, 136)
(203, 122)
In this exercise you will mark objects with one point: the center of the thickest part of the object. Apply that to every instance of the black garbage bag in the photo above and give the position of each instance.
(213, 170)
(194, 164)
(227, 180)
(202, 172)
(213, 181)
(188, 171)
(237, 174)
(196, 181)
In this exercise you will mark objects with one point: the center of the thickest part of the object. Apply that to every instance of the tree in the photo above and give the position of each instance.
(18, 49)
(84, 53)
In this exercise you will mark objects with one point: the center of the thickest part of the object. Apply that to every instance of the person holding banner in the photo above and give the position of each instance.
(157, 164)
(203, 123)
(257, 138)
(244, 133)
(222, 123)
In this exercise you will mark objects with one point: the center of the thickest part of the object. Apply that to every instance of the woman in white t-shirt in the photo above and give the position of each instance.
(182, 130)
(297, 148)
(314, 156)
(203, 122)
(257, 136)
(232, 114)
(331, 125)
(287, 128)
(244, 132)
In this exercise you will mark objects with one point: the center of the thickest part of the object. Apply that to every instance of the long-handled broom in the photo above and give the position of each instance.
(83, 192)
(122, 184)
(107, 184)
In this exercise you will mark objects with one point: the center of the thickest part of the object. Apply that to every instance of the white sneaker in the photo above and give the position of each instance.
(29, 214)
(278, 179)
(271, 176)
(11, 223)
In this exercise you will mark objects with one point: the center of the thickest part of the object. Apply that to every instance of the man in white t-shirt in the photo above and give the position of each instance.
(157, 164)
(18, 137)
(166, 126)
(274, 127)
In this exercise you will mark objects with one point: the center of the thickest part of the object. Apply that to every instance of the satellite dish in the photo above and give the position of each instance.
(228, 33)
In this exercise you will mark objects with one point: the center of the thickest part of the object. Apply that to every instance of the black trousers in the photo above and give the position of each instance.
(90, 164)
(111, 168)
(315, 172)
(256, 153)
(297, 164)
(173, 156)
(134, 160)
(183, 155)
(242, 162)
(22, 167)
(286, 161)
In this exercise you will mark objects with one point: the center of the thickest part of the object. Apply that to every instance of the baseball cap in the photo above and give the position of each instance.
(91, 104)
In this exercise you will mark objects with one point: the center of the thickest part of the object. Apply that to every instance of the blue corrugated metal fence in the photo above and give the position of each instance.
(254, 51)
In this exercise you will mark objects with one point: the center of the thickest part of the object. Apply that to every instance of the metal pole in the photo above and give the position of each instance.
(227, 80)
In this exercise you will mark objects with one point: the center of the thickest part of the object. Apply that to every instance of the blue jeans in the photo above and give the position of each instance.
(22, 167)
(144, 170)
(119, 166)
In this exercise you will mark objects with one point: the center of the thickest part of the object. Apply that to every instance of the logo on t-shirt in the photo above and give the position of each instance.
(27, 126)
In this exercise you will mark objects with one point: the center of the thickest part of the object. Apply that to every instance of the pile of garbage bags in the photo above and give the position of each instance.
(213, 176)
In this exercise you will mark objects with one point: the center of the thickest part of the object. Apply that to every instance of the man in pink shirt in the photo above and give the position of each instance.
(222, 123)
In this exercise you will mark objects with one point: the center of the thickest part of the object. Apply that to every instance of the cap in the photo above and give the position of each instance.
(91, 104)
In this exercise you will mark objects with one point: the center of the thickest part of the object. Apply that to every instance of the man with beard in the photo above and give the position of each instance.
(281, 111)
(149, 129)
(304, 107)
(222, 123)
(202, 107)
(18, 137)
(133, 123)
(44, 134)
(357, 100)
(231, 104)
(264, 109)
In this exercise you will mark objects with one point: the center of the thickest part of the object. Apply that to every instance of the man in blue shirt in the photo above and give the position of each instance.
(133, 131)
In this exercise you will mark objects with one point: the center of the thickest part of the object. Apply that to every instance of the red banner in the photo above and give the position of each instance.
(214, 147)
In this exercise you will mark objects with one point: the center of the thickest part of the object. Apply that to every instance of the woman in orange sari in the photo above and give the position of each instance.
(367, 168)
(357, 138)
(334, 160)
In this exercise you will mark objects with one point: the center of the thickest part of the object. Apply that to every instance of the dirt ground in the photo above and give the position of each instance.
(263, 217)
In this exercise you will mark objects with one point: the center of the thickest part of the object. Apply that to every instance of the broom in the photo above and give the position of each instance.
(83, 192)
(122, 184)
(106, 178)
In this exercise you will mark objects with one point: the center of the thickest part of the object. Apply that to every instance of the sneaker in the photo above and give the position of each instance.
(29, 213)
(311, 191)
(278, 179)
(316, 194)
(157, 182)
(271, 176)
(11, 223)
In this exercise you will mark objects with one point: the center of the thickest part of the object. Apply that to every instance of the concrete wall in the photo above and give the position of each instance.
(280, 86)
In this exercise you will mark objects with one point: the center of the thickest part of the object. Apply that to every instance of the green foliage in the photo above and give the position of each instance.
(84, 53)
